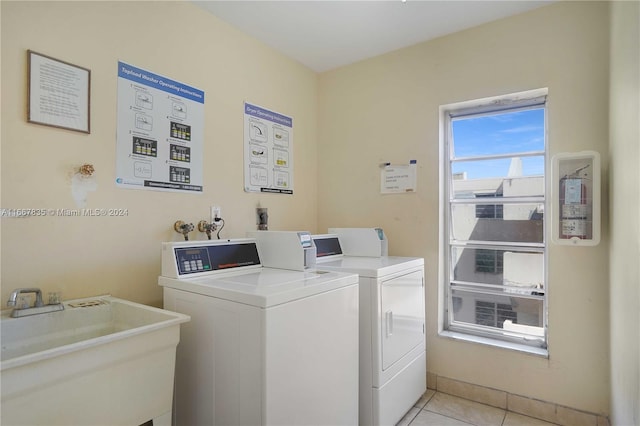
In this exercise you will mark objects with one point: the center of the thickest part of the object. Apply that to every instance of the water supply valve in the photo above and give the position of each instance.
(183, 228)
(207, 228)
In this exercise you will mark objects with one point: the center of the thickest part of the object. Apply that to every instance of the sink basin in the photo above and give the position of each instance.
(102, 360)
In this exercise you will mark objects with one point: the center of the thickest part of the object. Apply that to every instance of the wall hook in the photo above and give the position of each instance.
(86, 170)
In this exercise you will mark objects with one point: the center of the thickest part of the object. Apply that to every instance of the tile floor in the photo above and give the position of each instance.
(441, 409)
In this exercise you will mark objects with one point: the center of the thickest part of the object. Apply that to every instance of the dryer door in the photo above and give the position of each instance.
(402, 316)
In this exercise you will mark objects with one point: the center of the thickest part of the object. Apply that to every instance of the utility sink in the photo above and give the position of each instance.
(100, 361)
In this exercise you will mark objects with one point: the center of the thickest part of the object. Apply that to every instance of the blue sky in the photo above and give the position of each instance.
(506, 133)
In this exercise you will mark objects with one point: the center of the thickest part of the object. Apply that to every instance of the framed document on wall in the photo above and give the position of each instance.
(58, 93)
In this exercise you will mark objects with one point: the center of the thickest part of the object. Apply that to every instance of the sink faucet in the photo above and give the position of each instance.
(16, 292)
(38, 308)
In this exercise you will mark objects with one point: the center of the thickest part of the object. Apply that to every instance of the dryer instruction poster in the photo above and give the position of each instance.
(268, 151)
(160, 132)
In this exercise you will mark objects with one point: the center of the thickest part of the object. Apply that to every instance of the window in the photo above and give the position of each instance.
(493, 244)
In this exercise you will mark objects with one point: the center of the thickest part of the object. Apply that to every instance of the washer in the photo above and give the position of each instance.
(264, 346)
(392, 333)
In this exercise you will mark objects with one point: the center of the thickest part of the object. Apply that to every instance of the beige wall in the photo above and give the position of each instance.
(624, 181)
(121, 255)
(380, 110)
(386, 110)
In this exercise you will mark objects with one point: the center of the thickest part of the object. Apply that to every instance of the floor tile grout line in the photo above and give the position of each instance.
(414, 417)
(456, 419)
(473, 400)
(504, 410)
(444, 415)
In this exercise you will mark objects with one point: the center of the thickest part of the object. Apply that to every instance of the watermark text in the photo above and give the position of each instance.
(30, 212)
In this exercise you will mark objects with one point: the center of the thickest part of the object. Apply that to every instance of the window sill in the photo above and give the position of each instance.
(544, 353)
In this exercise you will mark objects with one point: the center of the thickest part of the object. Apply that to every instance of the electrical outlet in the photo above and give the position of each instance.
(215, 213)
(262, 217)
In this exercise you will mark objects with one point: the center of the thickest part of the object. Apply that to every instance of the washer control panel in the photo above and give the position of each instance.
(202, 257)
(190, 260)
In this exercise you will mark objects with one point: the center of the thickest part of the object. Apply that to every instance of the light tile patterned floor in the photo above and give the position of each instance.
(440, 409)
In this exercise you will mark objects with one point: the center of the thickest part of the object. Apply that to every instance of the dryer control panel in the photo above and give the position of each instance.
(369, 242)
(291, 250)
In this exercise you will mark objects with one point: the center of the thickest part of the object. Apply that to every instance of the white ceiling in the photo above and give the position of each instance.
(324, 35)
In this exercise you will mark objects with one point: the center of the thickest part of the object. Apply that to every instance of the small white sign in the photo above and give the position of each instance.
(397, 179)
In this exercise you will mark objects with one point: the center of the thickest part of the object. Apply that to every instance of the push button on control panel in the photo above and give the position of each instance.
(193, 260)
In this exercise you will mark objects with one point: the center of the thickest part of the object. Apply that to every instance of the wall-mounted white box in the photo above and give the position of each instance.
(575, 188)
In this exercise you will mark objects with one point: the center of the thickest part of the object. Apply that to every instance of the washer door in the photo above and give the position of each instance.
(402, 316)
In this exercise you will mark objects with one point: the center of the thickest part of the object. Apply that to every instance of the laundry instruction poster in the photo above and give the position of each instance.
(160, 132)
(268, 151)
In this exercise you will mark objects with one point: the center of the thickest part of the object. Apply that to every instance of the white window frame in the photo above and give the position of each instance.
(505, 103)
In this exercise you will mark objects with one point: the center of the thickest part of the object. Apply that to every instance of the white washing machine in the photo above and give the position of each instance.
(392, 334)
(264, 346)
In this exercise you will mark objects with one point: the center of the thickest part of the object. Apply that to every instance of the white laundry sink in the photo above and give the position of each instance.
(100, 361)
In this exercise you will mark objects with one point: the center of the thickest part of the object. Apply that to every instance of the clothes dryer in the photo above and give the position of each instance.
(392, 334)
(264, 346)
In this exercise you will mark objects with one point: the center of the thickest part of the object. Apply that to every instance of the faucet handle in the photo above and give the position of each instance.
(55, 298)
(39, 301)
